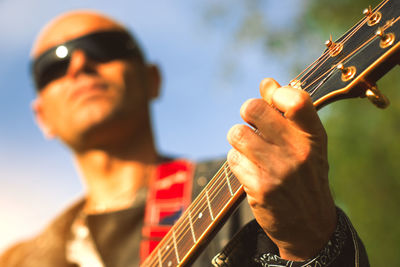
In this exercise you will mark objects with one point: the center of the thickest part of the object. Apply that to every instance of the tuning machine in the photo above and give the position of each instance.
(376, 97)
(387, 39)
(373, 17)
(333, 48)
(348, 73)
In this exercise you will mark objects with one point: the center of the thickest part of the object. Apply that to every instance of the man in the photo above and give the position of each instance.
(94, 88)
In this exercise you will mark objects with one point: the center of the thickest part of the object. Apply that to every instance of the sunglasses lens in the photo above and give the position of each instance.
(107, 47)
(52, 72)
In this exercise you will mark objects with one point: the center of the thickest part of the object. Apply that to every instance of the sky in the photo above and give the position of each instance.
(206, 78)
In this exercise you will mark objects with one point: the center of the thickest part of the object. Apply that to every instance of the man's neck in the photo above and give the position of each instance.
(113, 178)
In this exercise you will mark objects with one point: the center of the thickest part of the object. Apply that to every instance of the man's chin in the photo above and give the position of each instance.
(91, 119)
(93, 111)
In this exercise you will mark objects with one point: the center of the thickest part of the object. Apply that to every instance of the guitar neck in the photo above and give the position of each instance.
(200, 222)
(349, 67)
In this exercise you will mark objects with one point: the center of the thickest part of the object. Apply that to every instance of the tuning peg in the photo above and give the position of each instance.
(387, 39)
(373, 17)
(348, 73)
(368, 11)
(329, 43)
(334, 48)
(376, 97)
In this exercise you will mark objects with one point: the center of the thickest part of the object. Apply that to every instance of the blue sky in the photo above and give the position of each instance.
(198, 105)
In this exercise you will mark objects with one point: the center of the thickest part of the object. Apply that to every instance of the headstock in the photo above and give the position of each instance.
(351, 66)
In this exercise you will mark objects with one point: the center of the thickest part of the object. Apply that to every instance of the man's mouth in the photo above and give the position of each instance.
(86, 88)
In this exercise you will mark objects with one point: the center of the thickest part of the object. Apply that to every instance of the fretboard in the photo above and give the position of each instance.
(200, 221)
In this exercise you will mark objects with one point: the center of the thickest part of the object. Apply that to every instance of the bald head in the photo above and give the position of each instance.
(71, 25)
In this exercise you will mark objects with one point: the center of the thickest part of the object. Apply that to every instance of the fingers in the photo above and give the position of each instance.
(271, 125)
(245, 170)
(295, 104)
(250, 144)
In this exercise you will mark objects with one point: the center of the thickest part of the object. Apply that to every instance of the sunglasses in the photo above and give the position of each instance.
(99, 46)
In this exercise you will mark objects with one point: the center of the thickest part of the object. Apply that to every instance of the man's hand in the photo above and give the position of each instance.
(283, 167)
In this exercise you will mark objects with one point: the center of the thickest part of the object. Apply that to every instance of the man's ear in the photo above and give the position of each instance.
(37, 109)
(154, 81)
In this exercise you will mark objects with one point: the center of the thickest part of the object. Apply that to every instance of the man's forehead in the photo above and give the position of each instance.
(69, 26)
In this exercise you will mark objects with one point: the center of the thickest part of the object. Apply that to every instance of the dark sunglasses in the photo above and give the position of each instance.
(99, 46)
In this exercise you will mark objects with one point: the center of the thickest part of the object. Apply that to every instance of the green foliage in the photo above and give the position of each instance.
(364, 147)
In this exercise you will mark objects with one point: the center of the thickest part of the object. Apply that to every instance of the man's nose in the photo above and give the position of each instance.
(79, 63)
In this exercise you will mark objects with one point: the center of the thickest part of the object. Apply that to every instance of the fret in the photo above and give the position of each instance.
(220, 191)
(219, 195)
(209, 205)
(184, 237)
(227, 179)
(201, 217)
(191, 226)
(159, 257)
(175, 247)
(234, 182)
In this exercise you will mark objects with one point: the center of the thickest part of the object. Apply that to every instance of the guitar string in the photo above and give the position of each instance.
(327, 52)
(344, 59)
(347, 57)
(354, 51)
(185, 230)
(324, 57)
(321, 60)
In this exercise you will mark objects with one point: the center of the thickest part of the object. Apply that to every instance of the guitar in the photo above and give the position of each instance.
(348, 68)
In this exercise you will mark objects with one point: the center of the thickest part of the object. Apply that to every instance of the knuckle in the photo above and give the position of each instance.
(233, 158)
(253, 110)
(238, 134)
